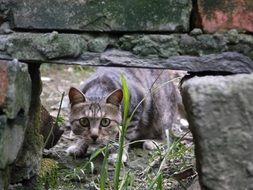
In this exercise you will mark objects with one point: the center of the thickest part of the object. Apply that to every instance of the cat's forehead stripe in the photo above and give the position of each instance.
(93, 110)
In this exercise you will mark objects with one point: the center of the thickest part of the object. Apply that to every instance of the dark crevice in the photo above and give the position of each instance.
(91, 32)
(27, 183)
(34, 72)
(203, 74)
(18, 119)
(213, 73)
(248, 32)
(195, 18)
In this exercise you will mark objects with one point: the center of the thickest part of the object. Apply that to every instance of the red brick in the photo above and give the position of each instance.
(222, 15)
(3, 81)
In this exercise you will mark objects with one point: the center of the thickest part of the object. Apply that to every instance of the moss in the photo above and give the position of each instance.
(28, 160)
(20, 46)
(248, 5)
(33, 132)
(47, 176)
(98, 44)
(5, 178)
(56, 45)
(47, 46)
(210, 6)
(139, 15)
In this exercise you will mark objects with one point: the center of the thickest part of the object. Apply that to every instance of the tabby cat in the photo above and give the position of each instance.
(96, 109)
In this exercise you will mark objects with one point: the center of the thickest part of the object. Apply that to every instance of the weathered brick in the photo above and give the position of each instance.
(217, 15)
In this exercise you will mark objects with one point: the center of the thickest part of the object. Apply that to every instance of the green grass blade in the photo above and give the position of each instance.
(126, 102)
(127, 182)
(157, 181)
(104, 172)
(97, 152)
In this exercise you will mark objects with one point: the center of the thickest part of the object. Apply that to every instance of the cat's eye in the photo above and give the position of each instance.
(105, 122)
(84, 122)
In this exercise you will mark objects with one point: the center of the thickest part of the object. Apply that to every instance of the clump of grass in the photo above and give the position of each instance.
(48, 174)
(80, 173)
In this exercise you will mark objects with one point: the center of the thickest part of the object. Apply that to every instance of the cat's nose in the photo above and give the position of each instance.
(94, 137)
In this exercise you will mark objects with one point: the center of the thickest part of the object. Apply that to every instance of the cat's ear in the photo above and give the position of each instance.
(75, 96)
(115, 97)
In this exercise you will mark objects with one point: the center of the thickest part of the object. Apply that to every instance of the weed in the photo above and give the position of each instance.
(47, 177)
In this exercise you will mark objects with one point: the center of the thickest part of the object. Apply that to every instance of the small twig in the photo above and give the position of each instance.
(56, 120)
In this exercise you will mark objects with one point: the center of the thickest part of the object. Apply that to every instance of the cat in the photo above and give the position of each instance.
(96, 109)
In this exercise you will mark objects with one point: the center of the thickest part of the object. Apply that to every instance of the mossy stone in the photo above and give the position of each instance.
(99, 15)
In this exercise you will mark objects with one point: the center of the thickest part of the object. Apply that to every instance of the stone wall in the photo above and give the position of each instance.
(199, 36)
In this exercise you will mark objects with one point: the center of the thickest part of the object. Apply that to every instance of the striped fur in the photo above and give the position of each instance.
(97, 99)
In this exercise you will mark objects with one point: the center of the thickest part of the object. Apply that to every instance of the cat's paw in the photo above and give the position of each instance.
(150, 145)
(77, 151)
(113, 158)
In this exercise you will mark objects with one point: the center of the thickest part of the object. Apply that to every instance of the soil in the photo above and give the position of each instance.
(178, 169)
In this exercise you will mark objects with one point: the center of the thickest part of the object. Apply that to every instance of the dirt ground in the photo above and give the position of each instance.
(178, 168)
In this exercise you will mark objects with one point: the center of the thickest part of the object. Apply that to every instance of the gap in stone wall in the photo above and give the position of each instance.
(57, 79)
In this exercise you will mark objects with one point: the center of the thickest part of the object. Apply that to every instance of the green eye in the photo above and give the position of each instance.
(84, 122)
(105, 122)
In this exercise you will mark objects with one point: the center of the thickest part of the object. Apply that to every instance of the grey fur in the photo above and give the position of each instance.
(155, 114)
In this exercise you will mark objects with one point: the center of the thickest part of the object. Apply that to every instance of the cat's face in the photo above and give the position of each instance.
(96, 121)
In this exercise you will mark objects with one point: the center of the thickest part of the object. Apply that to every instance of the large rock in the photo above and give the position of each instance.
(216, 15)
(15, 84)
(230, 62)
(49, 46)
(220, 111)
(101, 15)
(14, 105)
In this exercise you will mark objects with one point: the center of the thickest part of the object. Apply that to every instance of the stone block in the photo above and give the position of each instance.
(15, 95)
(217, 15)
(11, 138)
(49, 46)
(220, 114)
(15, 85)
(229, 62)
(101, 15)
